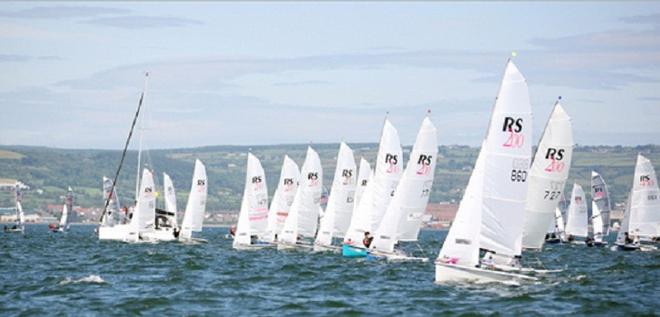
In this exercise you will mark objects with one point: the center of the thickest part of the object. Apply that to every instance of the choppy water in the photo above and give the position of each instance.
(75, 274)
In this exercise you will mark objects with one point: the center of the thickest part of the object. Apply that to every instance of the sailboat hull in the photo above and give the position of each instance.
(159, 235)
(326, 248)
(353, 252)
(252, 247)
(118, 233)
(397, 256)
(625, 247)
(284, 246)
(457, 273)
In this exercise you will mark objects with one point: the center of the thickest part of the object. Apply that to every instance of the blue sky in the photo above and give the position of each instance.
(269, 73)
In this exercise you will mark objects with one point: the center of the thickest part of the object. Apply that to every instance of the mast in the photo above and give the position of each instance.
(141, 130)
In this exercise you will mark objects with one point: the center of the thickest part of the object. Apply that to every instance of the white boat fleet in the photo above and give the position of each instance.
(511, 202)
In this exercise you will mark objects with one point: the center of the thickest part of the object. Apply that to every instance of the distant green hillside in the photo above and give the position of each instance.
(52, 170)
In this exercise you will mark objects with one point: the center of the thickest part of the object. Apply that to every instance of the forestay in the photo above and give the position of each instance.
(601, 196)
(337, 216)
(577, 222)
(252, 219)
(380, 188)
(547, 177)
(403, 217)
(193, 217)
(303, 216)
(645, 202)
(283, 197)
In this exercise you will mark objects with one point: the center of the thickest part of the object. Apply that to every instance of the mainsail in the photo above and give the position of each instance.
(337, 214)
(380, 188)
(193, 217)
(645, 202)
(304, 212)
(170, 196)
(253, 216)
(490, 215)
(403, 217)
(547, 177)
(145, 209)
(601, 196)
(577, 222)
(596, 222)
(112, 214)
(20, 216)
(283, 197)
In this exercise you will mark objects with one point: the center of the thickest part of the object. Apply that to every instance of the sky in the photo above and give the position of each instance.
(258, 73)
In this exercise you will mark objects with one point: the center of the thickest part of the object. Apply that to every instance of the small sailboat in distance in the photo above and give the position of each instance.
(645, 204)
(624, 240)
(166, 227)
(253, 216)
(193, 217)
(403, 217)
(600, 195)
(301, 223)
(491, 213)
(67, 207)
(282, 199)
(597, 225)
(337, 216)
(577, 222)
(19, 226)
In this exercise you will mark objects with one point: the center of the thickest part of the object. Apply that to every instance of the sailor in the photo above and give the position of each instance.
(367, 239)
(628, 240)
(487, 260)
(232, 230)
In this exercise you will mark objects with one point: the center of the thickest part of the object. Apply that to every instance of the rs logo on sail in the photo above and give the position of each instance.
(555, 156)
(392, 160)
(425, 164)
(513, 126)
(313, 178)
(347, 175)
(645, 180)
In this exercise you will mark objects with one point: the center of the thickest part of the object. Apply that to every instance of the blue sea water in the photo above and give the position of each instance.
(75, 274)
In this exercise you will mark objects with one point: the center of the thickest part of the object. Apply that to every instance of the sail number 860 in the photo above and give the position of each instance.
(518, 175)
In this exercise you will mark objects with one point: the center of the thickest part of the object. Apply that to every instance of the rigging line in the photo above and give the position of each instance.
(123, 156)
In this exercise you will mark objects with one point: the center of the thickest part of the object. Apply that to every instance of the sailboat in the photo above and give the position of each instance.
(253, 216)
(597, 224)
(283, 198)
(301, 223)
(577, 221)
(600, 195)
(645, 203)
(165, 228)
(624, 240)
(19, 226)
(337, 216)
(113, 214)
(491, 214)
(556, 229)
(193, 216)
(63, 225)
(377, 195)
(547, 178)
(403, 217)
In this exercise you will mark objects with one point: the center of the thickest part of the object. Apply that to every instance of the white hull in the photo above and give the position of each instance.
(192, 240)
(118, 233)
(326, 248)
(252, 247)
(458, 273)
(283, 246)
(158, 235)
(397, 256)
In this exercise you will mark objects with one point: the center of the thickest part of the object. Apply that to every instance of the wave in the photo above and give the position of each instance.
(93, 279)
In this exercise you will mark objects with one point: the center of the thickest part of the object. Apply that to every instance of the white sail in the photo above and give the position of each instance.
(645, 201)
(403, 217)
(596, 222)
(364, 175)
(20, 216)
(625, 224)
(170, 196)
(577, 222)
(507, 158)
(145, 209)
(253, 216)
(283, 197)
(304, 212)
(193, 217)
(547, 177)
(461, 246)
(559, 221)
(380, 188)
(112, 214)
(601, 195)
(337, 216)
(65, 216)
